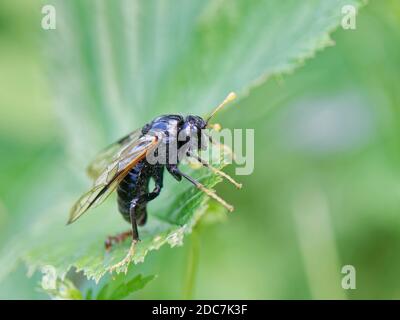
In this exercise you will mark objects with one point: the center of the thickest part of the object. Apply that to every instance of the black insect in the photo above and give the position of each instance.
(124, 166)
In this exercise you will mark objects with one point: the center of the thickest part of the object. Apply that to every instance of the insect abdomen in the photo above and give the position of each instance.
(135, 183)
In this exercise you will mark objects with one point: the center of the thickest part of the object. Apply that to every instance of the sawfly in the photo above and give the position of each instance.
(124, 166)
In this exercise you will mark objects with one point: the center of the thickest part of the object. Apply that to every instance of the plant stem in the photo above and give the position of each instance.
(192, 264)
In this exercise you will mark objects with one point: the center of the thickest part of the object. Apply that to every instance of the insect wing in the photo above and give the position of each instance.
(114, 172)
(110, 154)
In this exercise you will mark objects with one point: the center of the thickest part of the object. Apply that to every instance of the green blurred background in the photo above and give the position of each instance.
(326, 187)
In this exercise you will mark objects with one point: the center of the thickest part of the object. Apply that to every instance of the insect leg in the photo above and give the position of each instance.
(158, 177)
(215, 170)
(111, 240)
(132, 214)
(174, 170)
(144, 198)
(123, 264)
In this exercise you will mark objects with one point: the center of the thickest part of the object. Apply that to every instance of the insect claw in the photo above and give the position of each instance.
(124, 263)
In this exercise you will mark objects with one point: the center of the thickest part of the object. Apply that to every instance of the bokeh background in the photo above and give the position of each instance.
(326, 188)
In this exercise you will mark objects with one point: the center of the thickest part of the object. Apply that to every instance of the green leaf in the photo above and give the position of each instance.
(119, 288)
(117, 64)
(58, 289)
(49, 242)
(114, 65)
(89, 294)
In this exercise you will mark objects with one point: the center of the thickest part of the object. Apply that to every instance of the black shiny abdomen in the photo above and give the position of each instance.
(135, 183)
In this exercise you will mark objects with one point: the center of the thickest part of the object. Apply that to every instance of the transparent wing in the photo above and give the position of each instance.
(110, 154)
(113, 173)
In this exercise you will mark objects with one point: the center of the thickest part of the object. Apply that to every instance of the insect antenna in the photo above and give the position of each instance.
(230, 97)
